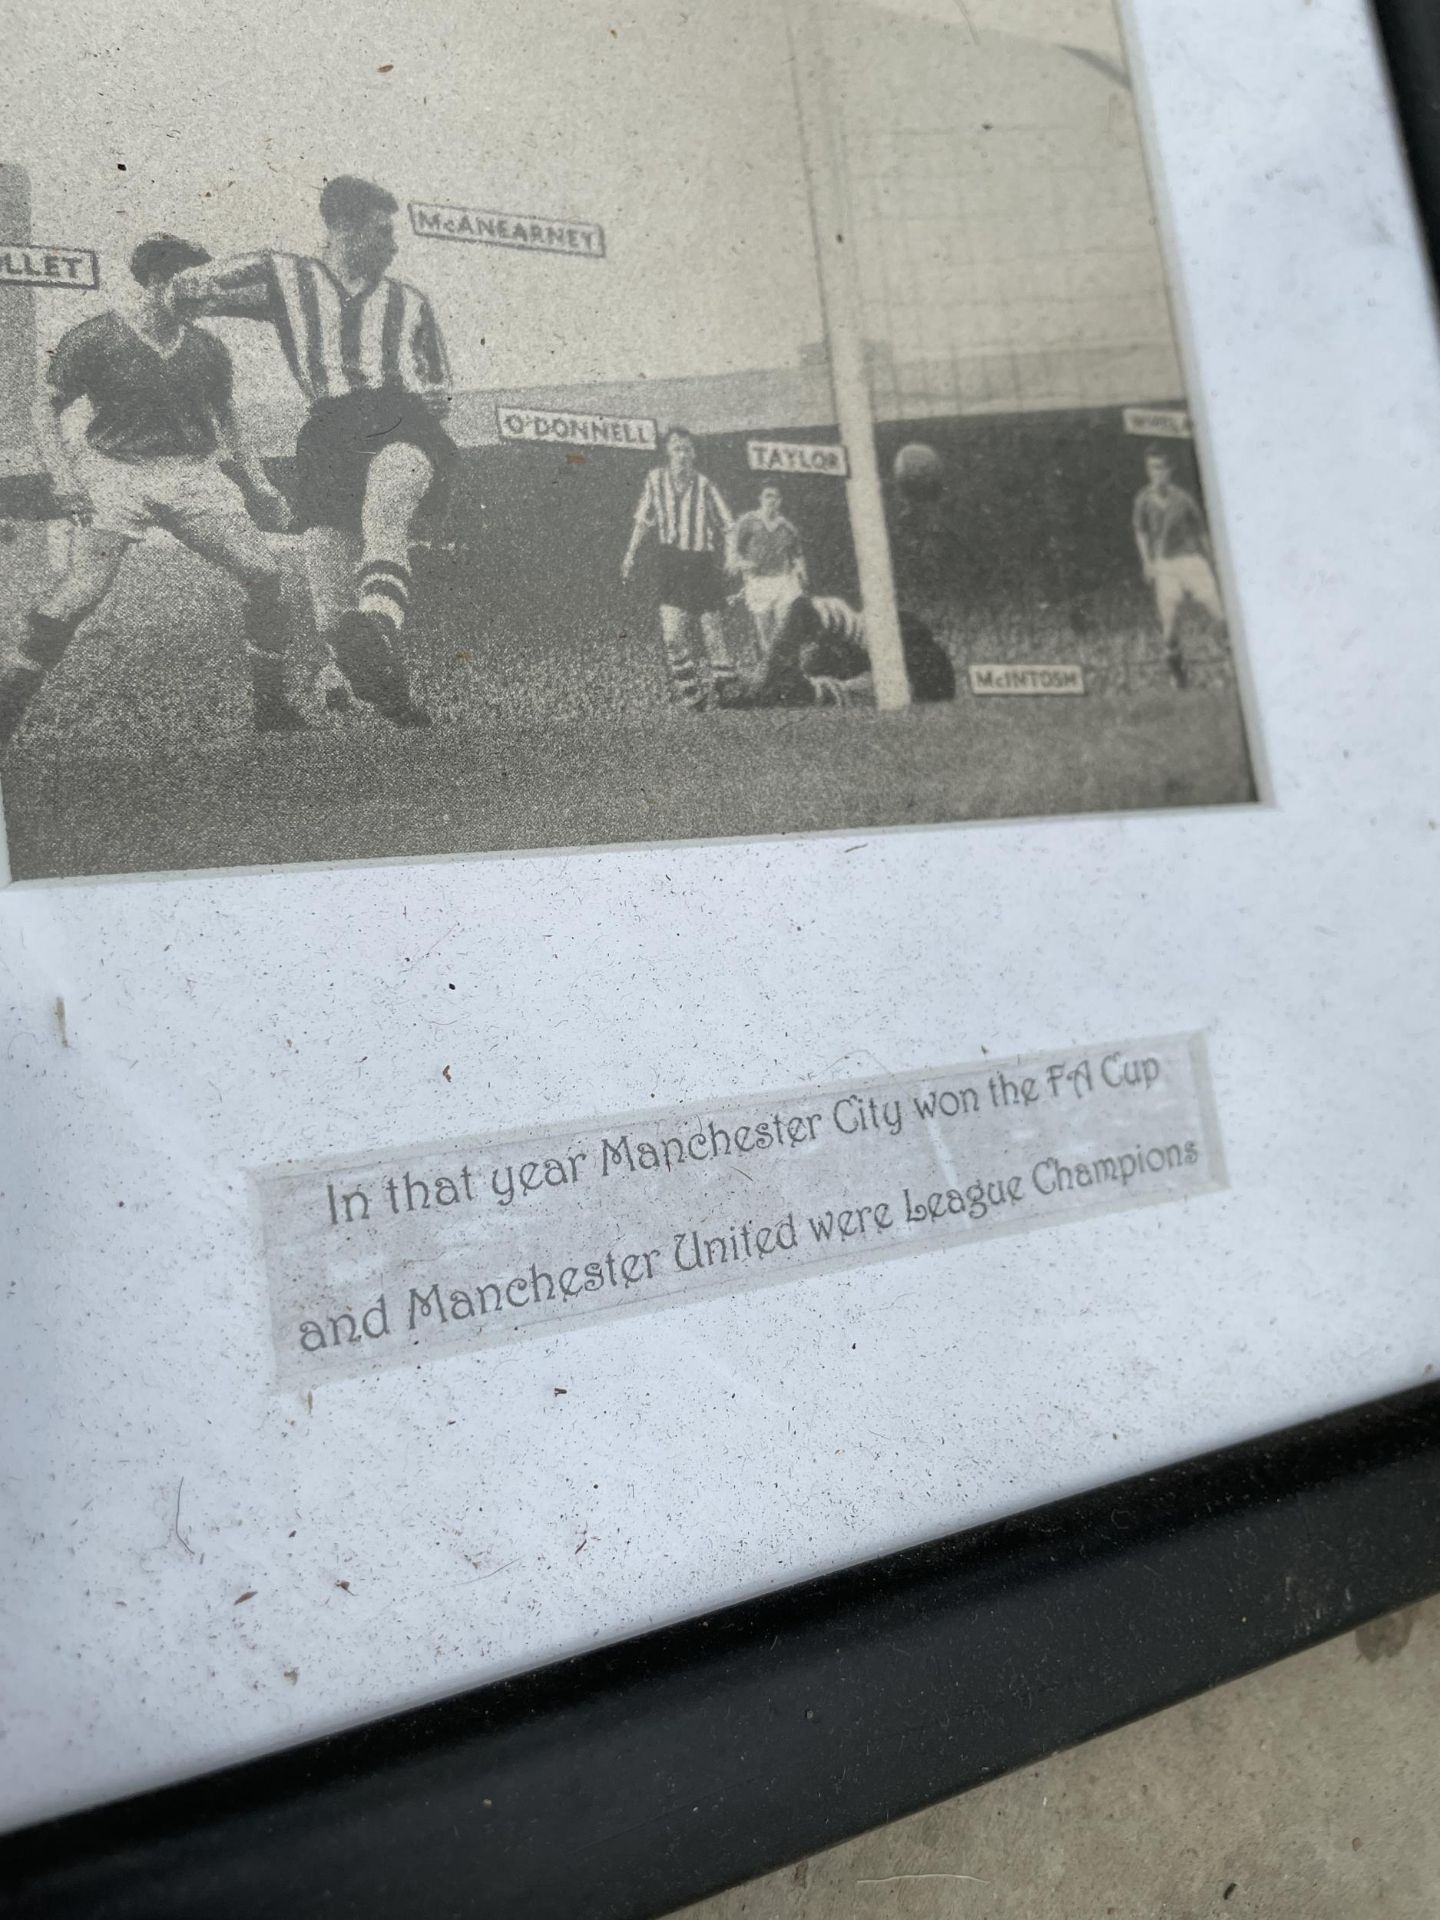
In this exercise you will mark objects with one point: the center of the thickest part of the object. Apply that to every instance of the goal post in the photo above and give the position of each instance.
(33, 549)
(844, 330)
(18, 345)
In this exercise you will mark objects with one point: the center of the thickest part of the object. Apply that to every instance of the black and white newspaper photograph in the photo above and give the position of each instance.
(524, 429)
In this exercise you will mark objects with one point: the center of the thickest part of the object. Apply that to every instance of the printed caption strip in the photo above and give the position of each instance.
(393, 1258)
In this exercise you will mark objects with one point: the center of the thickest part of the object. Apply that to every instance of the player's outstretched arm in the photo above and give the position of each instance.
(239, 288)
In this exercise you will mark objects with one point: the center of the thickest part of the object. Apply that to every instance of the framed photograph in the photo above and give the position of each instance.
(754, 683)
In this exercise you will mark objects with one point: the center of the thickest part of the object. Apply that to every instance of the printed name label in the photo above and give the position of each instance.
(1027, 679)
(24, 264)
(796, 456)
(531, 232)
(393, 1258)
(575, 429)
(1159, 423)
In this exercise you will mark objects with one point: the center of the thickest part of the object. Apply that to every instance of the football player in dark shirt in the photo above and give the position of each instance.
(1175, 556)
(770, 558)
(160, 417)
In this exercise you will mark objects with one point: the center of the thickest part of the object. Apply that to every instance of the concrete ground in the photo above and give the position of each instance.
(1310, 1791)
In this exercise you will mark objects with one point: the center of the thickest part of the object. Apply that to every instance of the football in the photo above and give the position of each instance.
(919, 471)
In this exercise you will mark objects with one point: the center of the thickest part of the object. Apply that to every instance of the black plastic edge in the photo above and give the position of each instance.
(632, 1780)
(1410, 35)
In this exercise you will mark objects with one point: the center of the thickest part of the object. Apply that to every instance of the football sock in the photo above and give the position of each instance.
(264, 619)
(385, 592)
(685, 681)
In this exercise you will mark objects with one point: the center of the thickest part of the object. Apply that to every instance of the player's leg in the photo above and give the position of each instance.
(784, 591)
(677, 604)
(686, 686)
(780, 681)
(399, 477)
(328, 500)
(717, 647)
(723, 672)
(1169, 598)
(358, 656)
(332, 559)
(231, 541)
(95, 557)
(364, 639)
(754, 607)
(762, 605)
(1204, 589)
(346, 493)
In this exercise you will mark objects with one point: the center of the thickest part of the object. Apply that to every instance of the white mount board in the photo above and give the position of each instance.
(416, 1532)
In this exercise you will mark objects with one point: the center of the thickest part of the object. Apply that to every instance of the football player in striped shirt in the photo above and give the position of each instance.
(373, 454)
(687, 514)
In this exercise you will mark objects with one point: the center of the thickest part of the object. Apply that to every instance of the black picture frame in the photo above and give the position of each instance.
(626, 1782)
(1410, 36)
(629, 1781)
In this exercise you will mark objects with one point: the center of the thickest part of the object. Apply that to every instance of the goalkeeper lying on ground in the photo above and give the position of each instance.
(820, 658)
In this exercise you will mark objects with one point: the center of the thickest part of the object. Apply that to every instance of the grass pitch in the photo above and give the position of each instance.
(552, 730)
